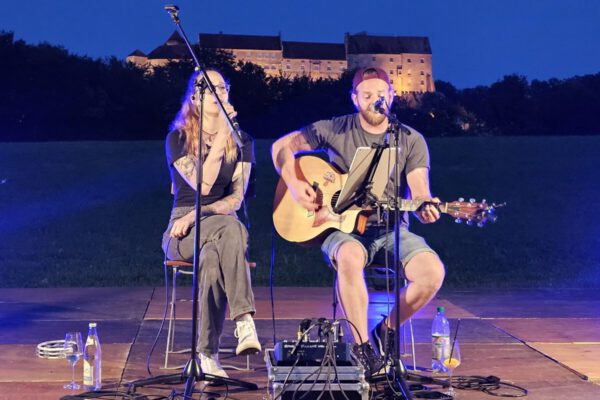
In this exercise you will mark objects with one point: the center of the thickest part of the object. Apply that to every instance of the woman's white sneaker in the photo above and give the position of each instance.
(248, 343)
(211, 365)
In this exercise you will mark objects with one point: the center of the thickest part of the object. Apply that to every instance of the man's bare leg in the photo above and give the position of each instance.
(425, 274)
(352, 289)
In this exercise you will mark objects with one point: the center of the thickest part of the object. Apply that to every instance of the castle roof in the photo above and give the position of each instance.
(314, 51)
(369, 44)
(229, 41)
(137, 53)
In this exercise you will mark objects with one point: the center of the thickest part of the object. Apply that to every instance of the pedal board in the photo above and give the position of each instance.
(287, 382)
(288, 352)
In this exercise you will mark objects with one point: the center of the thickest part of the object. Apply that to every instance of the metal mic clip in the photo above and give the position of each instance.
(173, 11)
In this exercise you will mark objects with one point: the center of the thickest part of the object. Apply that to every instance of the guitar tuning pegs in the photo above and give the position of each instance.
(471, 200)
(470, 222)
(458, 220)
(461, 199)
(480, 224)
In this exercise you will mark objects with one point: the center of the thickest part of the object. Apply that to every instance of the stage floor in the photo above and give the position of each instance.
(545, 340)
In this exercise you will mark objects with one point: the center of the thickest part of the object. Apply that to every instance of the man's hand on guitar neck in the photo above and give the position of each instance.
(304, 194)
(428, 213)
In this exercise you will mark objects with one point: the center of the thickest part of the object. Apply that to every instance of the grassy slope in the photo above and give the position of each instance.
(92, 214)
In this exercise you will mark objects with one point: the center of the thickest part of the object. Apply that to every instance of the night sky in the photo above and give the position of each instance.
(473, 41)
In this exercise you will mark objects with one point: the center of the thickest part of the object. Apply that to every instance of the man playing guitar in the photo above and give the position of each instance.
(349, 253)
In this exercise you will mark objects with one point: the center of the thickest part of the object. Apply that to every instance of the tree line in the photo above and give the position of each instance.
(46, 93)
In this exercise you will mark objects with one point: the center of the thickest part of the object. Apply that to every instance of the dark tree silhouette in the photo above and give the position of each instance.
(46, 93)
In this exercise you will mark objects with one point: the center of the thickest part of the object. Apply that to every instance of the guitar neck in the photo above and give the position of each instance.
(413, 205)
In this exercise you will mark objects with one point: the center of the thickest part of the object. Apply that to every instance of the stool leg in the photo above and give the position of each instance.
(412, 344)
(172, 313)
(228, 366)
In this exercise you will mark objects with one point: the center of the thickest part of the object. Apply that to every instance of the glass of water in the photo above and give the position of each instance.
(73, 351)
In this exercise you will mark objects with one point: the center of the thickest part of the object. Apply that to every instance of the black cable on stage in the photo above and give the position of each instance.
(491, 385)
(113, 395)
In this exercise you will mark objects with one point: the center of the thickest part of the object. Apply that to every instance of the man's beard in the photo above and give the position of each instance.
(372, 118)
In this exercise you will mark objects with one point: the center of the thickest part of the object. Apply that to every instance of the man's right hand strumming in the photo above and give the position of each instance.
(283, 152)
(304, 194)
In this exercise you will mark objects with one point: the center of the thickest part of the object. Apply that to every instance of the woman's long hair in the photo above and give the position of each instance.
(187, 120)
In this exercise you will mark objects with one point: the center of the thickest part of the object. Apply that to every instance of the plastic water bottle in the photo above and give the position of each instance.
(440, 339)
(92, 360)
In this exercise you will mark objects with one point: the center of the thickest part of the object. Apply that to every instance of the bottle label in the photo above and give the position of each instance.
(440, 343)
(88, 373)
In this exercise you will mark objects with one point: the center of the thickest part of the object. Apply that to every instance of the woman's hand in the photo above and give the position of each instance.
(182, 226)
(223, 130)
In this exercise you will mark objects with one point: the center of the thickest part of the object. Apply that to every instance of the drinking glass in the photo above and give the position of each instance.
(73, 351)
(451, 360)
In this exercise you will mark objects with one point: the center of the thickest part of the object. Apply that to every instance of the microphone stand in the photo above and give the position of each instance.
(192, 371)
(398, 372)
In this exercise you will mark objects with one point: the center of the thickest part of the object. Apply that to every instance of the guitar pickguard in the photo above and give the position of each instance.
(328, 177)
(324, 215)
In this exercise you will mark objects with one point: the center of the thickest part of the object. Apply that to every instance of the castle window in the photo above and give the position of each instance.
(408, 60)
(422, 73)
(422, 61)
(328, 68)
(391, 59)
(422, 82)
(391, 72)
(373, 58)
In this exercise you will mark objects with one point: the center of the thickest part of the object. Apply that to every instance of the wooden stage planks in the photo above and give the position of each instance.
(542, 339)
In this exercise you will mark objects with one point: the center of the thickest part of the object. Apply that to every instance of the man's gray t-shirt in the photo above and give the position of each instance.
(341, 136)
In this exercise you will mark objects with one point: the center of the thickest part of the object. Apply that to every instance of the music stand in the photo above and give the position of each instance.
(369, 173)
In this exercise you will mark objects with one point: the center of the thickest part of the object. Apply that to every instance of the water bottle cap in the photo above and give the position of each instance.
(92, 324)
(441, 309)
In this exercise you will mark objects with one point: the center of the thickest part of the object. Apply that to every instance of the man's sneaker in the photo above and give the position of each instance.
(385, 341)
(211, 365)
(383, 338)
(248, 343)
(372, 363)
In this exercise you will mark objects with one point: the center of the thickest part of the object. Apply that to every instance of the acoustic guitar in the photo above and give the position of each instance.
(296, 224)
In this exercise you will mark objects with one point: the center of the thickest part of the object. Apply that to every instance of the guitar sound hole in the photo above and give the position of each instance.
(334, 198)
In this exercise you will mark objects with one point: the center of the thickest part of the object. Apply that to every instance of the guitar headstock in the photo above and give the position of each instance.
(472, 212)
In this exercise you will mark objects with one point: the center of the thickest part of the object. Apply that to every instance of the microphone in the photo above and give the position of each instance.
(379, 105)
(236, 130)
